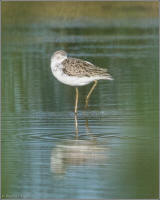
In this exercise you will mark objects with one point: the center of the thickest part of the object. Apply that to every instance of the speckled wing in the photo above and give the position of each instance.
(81, 68)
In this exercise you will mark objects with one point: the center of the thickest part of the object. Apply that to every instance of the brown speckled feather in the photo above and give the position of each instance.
(81, 68)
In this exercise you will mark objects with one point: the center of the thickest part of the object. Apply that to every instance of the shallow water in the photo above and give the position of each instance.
(113, 153)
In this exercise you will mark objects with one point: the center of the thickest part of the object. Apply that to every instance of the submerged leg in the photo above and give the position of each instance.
(90, 92)
(76, 125)
(76, 102)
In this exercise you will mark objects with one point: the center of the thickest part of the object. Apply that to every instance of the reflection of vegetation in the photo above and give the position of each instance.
(48, 10)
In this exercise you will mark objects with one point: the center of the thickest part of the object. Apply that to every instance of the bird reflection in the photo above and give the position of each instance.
(77, 152)
(76, 125)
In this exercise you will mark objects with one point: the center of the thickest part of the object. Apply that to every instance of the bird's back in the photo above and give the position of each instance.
(81, 68)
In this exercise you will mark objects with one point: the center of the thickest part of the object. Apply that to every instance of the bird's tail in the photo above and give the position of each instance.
(108, 77)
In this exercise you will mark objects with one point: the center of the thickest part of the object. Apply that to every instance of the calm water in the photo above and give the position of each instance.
(113, 153)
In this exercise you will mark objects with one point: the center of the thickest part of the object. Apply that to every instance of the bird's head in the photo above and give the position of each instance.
(59, 56)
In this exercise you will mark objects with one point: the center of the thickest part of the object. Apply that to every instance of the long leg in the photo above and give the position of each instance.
(90, 92)
(76, 125)
(76, 101)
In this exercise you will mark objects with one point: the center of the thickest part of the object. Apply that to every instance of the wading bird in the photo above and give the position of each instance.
(76, 72)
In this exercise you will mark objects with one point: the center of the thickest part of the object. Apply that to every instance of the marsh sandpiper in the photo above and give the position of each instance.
(76, 72)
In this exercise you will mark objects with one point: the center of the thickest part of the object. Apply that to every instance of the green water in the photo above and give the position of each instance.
(114, 151)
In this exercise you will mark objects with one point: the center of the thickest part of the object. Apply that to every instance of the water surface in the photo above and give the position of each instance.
(113, 153)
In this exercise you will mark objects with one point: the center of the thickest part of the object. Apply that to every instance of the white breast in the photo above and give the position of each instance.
(69, 80)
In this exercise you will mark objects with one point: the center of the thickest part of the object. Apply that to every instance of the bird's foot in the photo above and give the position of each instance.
(86, 105)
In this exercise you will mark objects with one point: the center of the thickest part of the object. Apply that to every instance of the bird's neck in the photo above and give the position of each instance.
(55, 64)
